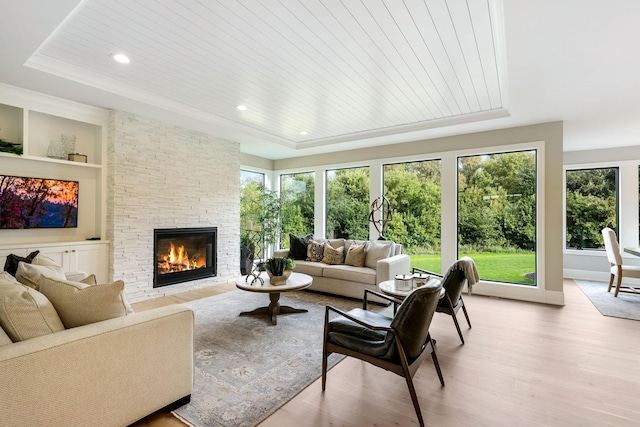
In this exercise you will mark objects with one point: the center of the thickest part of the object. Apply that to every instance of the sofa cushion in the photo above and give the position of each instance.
(335, 243)
(377, 250)
(11, 264)
(29, 274)
(315, 251)
(4, 338)
(333, 255)
(79, 303)
(24, 312)
(311, 268)
(352, 274)
(356, 254)
(298, 246)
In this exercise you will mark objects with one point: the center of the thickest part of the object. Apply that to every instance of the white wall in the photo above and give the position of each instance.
(164, 176)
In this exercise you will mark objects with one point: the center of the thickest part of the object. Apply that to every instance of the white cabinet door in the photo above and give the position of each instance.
(91, 259)
(59, 254)
(88, 257)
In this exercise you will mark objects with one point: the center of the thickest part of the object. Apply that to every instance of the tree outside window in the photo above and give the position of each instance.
(592, 204)
(413, 190)
(497, 215)
(297, 193)
(251, 188)
(348, 203)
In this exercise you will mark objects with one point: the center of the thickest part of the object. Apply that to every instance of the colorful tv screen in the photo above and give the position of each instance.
(37, 203)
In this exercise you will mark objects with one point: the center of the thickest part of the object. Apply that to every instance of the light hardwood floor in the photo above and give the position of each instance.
(523, 364)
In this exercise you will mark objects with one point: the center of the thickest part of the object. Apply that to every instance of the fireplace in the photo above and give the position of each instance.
(183, 254)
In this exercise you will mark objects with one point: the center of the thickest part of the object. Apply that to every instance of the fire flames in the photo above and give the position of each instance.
(178, 260)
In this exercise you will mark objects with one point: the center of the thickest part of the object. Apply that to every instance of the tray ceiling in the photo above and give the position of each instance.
(338, 70)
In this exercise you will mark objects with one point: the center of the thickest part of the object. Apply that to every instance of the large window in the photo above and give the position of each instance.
(497, 215)
(251, 187)
(297, 205)
(413, 190)
(592, 204)
(348, 203)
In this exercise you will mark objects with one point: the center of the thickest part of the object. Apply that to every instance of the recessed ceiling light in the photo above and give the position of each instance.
(304, 132)
(121, 58)
(241, 107)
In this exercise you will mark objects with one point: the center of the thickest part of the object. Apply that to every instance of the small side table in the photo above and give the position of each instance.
(388, 287)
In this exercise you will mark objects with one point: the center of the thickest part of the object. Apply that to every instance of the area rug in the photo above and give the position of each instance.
(626, 306)
(245, 367)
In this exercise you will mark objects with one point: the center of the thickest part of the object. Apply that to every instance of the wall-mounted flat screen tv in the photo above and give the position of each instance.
(37, 203)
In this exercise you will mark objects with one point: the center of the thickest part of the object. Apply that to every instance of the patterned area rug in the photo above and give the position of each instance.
(626, 306)
(246, 368)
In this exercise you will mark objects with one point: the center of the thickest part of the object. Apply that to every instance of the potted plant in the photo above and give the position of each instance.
(10, 147)
(279, 269)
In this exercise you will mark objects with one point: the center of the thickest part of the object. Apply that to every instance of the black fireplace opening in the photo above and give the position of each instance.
(183, 254)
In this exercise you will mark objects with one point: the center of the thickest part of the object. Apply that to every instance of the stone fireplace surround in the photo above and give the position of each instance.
(164, 176)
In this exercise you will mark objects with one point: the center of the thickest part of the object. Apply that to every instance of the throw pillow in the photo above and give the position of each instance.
(315, 251)
(298, 246)
(41, 259)
(80, 304)
(333, 255)
(376, 251)
(30, 274)
(11, 264)
(26, 313)
(356, 255)
(89, 280)
(6, 277)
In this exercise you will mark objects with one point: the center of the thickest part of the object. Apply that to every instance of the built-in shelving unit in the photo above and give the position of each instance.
(34, 120)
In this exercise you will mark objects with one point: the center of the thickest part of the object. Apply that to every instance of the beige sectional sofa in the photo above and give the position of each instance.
(111, 372)
(351, 281)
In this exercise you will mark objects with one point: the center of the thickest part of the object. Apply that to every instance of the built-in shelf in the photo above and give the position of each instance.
(50, 160)
(35, 120)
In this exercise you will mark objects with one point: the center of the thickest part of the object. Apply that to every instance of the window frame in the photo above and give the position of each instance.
(618, 185)
(538, 198)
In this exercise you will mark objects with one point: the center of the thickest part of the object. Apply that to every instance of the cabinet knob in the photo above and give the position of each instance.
(66, 252)
(73, 250)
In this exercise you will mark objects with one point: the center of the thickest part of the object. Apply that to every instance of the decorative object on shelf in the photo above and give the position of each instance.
(60, 148)
(10, 147)
(279, 269)
(77, 157)
(383, 206)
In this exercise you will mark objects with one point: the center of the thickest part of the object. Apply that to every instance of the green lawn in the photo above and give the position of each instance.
(502, 267)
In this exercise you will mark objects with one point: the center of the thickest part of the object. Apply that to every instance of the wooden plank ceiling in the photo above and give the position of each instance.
(336, 69)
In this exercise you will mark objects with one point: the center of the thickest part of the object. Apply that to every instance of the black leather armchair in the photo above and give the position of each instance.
(453, 282)
(397, 344)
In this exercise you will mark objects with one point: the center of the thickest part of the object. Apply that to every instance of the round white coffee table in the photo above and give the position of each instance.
(295, 282)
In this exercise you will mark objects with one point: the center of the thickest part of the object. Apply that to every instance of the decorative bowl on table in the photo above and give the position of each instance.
(279, 280)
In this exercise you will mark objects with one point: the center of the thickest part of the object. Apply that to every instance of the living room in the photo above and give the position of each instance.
(158, 163)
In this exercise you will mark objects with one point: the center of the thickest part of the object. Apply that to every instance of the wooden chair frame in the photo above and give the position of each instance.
(403, 369)
(451, 308)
